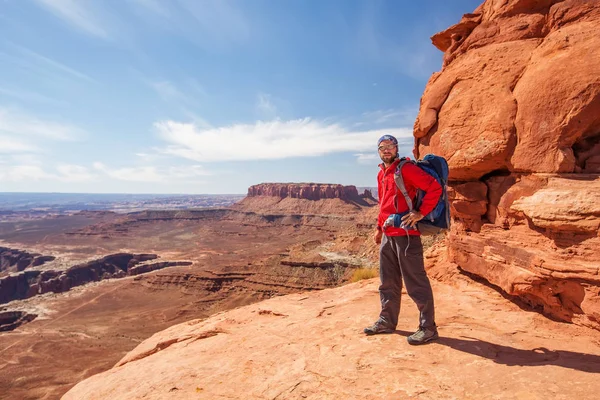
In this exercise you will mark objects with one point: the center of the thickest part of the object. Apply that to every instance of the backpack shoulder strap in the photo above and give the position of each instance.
(400, 183)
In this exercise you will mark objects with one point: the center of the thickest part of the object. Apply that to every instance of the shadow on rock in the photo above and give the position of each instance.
(512, 356)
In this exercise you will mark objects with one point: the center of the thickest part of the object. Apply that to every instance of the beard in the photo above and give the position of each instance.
(388, 159)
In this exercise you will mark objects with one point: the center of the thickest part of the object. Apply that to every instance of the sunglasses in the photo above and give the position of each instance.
(387, 147)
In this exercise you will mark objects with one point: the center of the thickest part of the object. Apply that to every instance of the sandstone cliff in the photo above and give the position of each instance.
(14, 260)
(519, 90)
(308, 191)
(516, 111)
(305, 198)
(31, 283)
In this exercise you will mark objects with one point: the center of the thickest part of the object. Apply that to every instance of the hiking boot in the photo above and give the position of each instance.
(423, 335)
(378, 327)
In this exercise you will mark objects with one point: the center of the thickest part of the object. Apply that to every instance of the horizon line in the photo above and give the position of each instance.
(136, 194)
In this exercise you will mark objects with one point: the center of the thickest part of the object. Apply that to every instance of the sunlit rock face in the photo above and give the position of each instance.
(308, 191)
(516, 112)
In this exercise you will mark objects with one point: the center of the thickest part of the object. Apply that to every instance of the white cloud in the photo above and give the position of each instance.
(35, 172)
(265, 106)
(196, 87)
(153, 173)
(21, 124)
(269, 140)
(197, 120)
(218, 21)
(211, 24)
(24, 95)
(74, 173)
(167, 90)
(10, 145)
(35, 61)
(404, 117)
(31, 158)
(17, 173)
(187, 172)
(366, 158)
(171, 94)
(78, 14)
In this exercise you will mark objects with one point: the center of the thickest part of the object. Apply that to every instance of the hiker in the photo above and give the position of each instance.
(401, 251)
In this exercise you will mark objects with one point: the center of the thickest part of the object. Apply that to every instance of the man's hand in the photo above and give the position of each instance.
(412, 218)
(377, 236)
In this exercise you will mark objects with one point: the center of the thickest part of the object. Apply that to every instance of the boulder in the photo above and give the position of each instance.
(519, 90)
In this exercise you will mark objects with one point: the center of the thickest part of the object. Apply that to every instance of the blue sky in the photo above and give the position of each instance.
(194, 96)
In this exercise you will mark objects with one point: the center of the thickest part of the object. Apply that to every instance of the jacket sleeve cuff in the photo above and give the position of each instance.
(424, 213)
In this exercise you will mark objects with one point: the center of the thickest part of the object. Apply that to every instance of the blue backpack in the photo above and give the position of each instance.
(438, 220)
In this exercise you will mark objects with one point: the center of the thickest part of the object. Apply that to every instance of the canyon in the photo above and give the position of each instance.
(260, 302)
(34, 282)
(108, 280)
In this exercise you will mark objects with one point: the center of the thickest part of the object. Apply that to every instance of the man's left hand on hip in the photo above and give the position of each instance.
(412, 218)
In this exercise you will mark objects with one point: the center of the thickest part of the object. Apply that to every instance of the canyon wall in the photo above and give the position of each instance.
(305, 199)
(307, 191)
(31, 283)
(14, 260)
(516, 112)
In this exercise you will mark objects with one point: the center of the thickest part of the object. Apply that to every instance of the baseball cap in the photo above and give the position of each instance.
(387, 137)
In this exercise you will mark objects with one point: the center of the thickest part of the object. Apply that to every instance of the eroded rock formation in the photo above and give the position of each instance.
(14, 260)
(519, 90)
(307, 191)
(305, 199)
(33, 282)
(10, 320)
(516, 111)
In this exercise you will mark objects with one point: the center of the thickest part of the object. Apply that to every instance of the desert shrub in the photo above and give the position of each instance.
(336, 274)
(364, 273)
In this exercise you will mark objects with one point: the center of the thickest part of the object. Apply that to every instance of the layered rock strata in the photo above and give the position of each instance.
(305, 199)
(10, 320)
(516, 112)
(307, 191)
(33, 282)
(14, 260)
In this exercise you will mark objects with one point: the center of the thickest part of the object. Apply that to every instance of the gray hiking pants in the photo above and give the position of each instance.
(397, 262)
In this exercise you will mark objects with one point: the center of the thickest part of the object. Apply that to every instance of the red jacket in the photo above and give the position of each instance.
(391, 200)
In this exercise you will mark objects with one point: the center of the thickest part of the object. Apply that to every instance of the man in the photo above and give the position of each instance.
(401, 251)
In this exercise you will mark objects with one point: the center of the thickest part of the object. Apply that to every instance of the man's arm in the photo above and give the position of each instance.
(379, 229)
(379, 198)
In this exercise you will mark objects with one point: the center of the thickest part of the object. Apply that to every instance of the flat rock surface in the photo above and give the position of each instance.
(311, 345)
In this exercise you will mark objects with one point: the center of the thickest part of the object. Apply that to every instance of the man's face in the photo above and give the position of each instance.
(387, 151)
